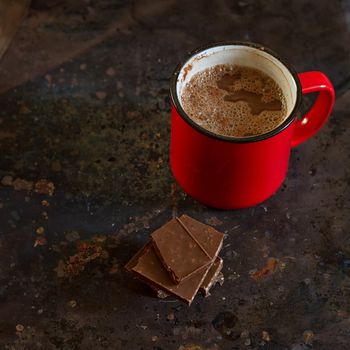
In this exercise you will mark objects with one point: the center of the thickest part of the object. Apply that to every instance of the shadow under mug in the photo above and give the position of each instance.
(231, 172)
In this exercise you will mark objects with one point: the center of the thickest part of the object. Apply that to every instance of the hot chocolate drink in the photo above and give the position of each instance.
(233, 100)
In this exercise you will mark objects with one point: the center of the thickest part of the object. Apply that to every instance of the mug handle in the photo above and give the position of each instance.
(320, 111)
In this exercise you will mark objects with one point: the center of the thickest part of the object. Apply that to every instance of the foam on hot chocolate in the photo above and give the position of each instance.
(233, 100)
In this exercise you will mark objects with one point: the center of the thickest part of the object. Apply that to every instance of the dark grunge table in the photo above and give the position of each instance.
(84, 103)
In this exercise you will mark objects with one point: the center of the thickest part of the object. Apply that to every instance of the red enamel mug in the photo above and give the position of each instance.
(230, 172)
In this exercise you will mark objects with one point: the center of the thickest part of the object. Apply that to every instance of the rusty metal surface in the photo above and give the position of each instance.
(87, 108)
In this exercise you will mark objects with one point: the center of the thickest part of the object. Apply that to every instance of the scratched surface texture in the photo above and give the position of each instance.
(85, 179)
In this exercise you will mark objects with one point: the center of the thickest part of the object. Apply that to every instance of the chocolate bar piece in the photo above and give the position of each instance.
(146, 265)
(213, 276)
(185, 245)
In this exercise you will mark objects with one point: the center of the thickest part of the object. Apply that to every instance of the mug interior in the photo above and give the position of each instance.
(243, 55)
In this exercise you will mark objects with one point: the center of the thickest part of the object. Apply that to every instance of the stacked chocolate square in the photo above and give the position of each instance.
(181, 258)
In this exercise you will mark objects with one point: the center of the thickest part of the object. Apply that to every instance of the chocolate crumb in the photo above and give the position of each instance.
(44, 186)
(41, 240)
(19, 328)
(7, 180)
(40, 230)
(72, 303)
(22, 185)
